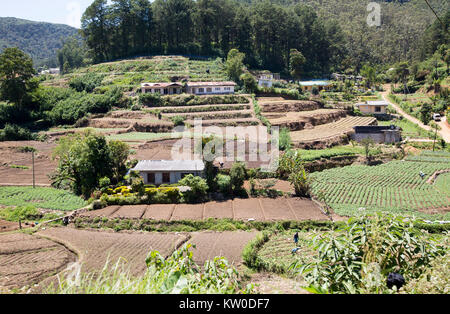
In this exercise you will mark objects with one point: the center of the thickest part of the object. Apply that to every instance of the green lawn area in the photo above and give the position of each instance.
(409, 129)
(45, 198)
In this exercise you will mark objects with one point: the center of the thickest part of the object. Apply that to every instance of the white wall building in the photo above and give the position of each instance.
(159, 172)
(210, 88)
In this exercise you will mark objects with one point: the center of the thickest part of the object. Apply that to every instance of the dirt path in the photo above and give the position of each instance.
(444, 133)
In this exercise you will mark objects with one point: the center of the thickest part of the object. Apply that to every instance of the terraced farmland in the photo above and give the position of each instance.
(214, 115)
(392, 187)
(329, 134)
(41, 197)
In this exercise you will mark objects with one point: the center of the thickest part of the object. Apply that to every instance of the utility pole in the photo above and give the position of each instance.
(32, 157)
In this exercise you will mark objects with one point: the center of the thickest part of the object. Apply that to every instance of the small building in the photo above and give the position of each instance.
(159, 172)
(373, 107)
(379, 134)
(265, 80)
(210, 88)
(320, 84)
(162, 88)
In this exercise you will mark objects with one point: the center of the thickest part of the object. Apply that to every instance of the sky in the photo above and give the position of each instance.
(53, 11)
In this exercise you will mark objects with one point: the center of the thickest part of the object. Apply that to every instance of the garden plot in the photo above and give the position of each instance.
(281, 105)
(95, 249)
(16, 167)
(301, 120)
(394, 187)
(6, 226)
(260, 209)
(26, 259)
(326, 135)
(220, 244)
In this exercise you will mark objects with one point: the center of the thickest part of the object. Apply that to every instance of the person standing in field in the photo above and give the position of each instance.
(296, 238)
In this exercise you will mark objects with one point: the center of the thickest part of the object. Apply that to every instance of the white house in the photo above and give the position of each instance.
(373, 107)
(162, 88)
(210, 88)
(265, 80)
(159, 172)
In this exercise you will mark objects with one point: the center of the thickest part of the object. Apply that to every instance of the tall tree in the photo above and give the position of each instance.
(296, 65)
(95, 29)
(16, 76)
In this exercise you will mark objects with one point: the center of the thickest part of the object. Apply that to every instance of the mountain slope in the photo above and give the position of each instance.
(40, 40)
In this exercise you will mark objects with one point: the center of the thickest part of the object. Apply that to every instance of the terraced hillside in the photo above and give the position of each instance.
(311, 125)
(329, 134)
(131, 73)
(395, 187)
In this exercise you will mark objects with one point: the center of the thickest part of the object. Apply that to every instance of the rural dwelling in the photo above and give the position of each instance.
(373, 107)
(162, 88)
(159, 172)
(320, 84)
(379, 134)
(265, 80)
(210, 88)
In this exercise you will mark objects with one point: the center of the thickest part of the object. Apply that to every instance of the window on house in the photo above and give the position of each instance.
(217, 88)
(166, 177)
(209, 90)
(201, 90)
(377, 109)
(151, 178)
(227, 88)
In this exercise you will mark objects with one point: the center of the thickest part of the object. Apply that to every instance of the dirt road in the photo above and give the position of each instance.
(445, 129)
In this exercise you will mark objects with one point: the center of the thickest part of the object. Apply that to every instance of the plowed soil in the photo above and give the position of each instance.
(220, 244)
(11, 156)
(95, 248)
(26, 259)
(6, 226)
(261, 209)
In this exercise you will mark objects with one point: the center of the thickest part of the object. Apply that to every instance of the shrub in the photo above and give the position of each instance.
(198, 188)
(238, 174)
(360, 255)
(13, 132)
(224, 184)
(87, 82)
(176, 274)
(178, 120)
(21, 213)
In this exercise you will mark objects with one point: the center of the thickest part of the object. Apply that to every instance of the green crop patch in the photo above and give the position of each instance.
(45, 198)
(395, 187)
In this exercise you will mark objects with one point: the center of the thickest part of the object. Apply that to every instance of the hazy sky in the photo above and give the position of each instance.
(53, 11)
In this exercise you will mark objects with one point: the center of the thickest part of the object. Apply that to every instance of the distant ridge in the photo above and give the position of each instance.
(40, 40)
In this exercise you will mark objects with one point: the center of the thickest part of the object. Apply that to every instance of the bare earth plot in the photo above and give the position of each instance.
(260, 209)
(95, 248)
(325, 135)
(6, 226)
(26, 259)
(11, 157)
(220, 244)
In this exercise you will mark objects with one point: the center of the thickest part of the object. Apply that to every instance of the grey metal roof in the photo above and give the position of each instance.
(378, 103)
(170, 165)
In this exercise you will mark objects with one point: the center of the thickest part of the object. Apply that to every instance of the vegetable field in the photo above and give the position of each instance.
(393, 187)
(45, 198)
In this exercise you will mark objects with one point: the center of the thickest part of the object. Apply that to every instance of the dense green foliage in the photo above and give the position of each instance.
(40, 40)
(126, 28)
(176, 274)
(265, 31)
(84, 159)
(358, 257)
